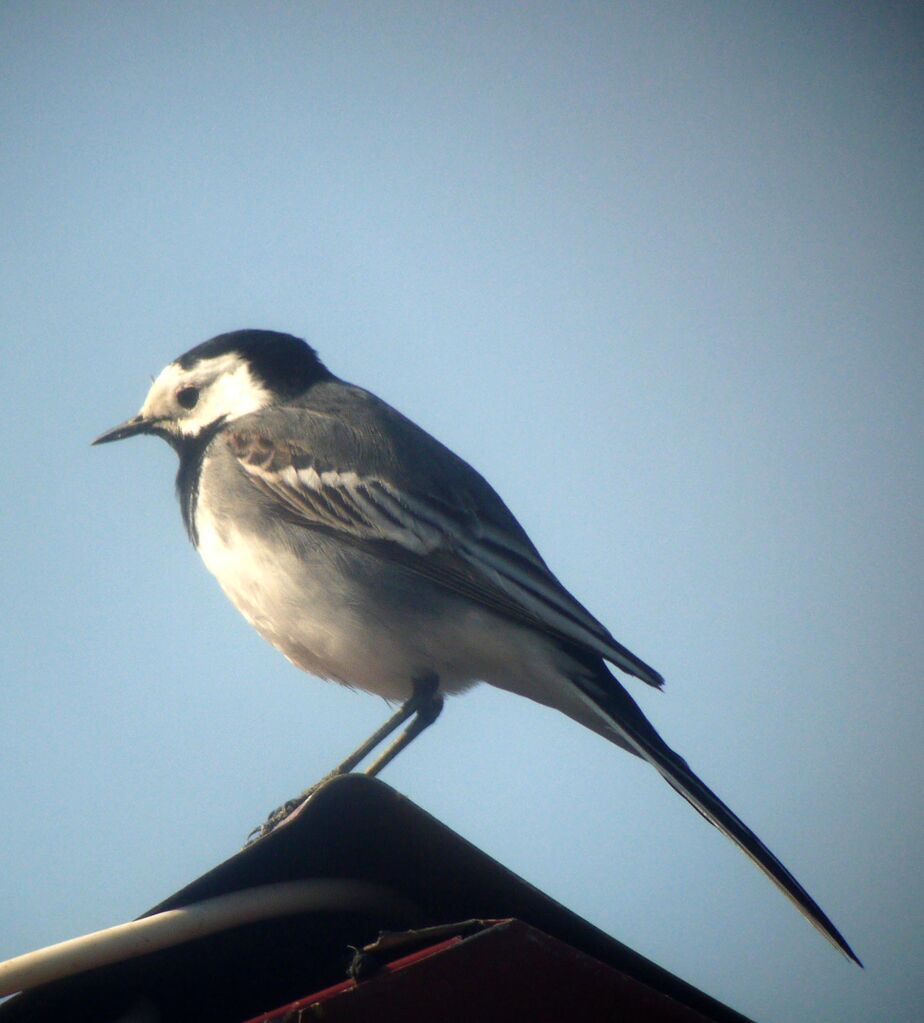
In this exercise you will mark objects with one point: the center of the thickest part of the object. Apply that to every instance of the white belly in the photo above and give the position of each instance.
(317, 617)
(314, 614)
(276, 592)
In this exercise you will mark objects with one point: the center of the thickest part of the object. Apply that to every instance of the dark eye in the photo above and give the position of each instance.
(188, 396)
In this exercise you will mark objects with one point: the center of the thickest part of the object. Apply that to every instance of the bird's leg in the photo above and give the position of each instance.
(428, 707)
(423, 706)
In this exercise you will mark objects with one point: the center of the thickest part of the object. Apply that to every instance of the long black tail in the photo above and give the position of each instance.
(636, 732)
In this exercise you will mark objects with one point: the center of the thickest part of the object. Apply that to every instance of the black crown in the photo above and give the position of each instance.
(287, 365)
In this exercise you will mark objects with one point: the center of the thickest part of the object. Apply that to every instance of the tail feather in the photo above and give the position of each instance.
(636, 732)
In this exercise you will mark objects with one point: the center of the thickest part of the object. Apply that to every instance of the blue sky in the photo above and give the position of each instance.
(654, 269)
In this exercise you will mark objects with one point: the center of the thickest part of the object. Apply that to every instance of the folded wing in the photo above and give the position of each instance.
(435, 535)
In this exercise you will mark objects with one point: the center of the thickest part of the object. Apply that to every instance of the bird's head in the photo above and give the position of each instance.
(221, 380)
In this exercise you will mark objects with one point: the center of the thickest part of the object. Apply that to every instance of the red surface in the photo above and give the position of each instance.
(508, 972)
(348, 985)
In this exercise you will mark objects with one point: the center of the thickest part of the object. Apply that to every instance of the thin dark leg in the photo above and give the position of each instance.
(406, 710)
(424, 707)
(427, 712)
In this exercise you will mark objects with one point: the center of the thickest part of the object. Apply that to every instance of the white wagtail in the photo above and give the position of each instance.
(370, 554)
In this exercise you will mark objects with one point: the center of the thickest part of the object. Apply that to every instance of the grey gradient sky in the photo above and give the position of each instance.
(655, 270)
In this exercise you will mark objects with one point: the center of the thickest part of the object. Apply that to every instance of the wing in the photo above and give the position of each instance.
(450, 527)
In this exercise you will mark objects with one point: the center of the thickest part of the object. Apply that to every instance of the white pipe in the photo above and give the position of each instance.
(175, 926)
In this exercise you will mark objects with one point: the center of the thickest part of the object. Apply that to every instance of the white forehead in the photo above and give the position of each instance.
(227, 385)
(171, 378)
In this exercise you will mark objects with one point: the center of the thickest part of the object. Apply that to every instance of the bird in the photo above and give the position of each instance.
(370, 554)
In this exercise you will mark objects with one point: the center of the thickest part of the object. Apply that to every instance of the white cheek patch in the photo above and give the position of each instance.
(227, 389)
(230, 395)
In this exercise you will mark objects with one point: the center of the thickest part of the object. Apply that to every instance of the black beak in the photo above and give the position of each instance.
(129, 428)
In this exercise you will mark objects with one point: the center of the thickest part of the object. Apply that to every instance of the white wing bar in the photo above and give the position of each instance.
(373, 509)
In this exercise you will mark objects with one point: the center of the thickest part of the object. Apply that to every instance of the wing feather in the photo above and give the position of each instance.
(439, 538)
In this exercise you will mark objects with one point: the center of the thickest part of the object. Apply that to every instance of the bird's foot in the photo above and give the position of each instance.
(282, 813)
(423, 708)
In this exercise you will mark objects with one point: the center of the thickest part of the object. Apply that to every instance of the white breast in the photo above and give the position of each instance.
(270, 586)
(309, 606)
